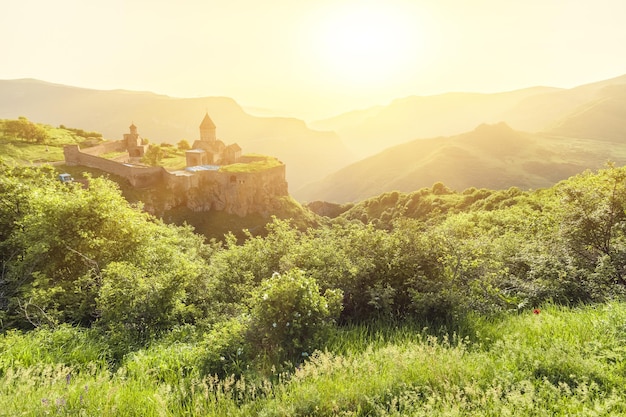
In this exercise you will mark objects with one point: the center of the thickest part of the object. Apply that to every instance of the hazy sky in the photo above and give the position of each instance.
(313, 58)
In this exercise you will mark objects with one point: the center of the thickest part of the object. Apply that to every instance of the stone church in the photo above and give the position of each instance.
(209, 150)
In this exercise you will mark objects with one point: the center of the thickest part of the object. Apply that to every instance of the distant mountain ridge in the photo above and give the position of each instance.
(424, 117)
(535, 109)
(491, 156)
(165, 119)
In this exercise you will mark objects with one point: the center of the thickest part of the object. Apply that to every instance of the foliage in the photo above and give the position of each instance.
(22, 141)
(153, 156)
(289, 317)
(155, 306)
(594, 221)
(59, 241)
(22, 128)
(183, 145)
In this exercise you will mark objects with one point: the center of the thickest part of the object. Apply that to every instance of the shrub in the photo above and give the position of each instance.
(290, 317)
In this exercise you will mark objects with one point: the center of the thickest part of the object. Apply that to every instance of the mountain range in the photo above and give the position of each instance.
(572, 130)
(528, 138)
(491, 156)
(535, 109)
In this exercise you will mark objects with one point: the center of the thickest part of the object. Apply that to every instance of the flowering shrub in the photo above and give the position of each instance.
(290, 317)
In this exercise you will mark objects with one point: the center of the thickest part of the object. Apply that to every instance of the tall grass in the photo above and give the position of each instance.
(562, 361)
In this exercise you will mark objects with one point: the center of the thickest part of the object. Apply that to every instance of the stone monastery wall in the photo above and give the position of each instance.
(138, 176)
(103, 148)
(238, 193)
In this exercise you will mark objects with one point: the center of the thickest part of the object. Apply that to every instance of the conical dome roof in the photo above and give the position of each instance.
(207, 123)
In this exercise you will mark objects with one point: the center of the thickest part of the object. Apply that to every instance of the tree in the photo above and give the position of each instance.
(183, 145)
(594, 220)
(59, 240)
(153, 155)
(24, 129)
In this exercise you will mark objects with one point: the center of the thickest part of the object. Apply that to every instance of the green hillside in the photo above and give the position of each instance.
(601, 118)
(26, 142)
(432, 302)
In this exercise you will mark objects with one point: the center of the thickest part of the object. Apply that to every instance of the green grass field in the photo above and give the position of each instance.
(266, 163)
(562, 361)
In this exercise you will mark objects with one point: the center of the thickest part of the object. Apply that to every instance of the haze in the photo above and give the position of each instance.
(313, 58)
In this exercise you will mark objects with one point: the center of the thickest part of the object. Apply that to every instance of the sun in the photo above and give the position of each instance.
(367, 42)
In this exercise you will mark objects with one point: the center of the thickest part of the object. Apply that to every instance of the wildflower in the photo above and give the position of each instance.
(274, 324)
(536, 311)
(264, 296)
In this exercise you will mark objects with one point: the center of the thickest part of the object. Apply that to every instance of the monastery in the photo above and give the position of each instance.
(216, 177)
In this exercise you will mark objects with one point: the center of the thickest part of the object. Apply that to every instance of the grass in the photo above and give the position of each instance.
(255, 166)
(563, 361)
(15, 152)
(174, 160)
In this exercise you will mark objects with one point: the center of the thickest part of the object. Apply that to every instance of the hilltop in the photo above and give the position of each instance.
(168, 119)
(244, 194)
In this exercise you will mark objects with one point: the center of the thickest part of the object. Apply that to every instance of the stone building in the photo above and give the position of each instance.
(209, 150)
(207, 183)
(133, 143)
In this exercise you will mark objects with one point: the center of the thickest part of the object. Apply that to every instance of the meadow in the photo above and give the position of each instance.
(556, 361)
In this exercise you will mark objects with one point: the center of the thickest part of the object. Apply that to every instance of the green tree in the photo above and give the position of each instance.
(594, 220)
(59, 239)
(183, 145)
(153, 156)
(24, 129)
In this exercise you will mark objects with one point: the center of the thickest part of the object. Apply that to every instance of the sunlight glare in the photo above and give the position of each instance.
(367, 43)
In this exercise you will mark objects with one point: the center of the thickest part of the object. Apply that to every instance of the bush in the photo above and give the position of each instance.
(290, 317)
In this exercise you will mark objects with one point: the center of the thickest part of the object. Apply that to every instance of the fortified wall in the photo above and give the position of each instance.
(138, 176)
(232, 183)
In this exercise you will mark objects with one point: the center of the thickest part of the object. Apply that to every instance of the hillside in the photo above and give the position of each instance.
(542, 111)
(494, 303)
(166, 119)
(535, 109)
(420, 117)
(602, 118)
(158, 199)
(491, 156)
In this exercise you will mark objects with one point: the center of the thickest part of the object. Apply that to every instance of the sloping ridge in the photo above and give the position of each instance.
(603, 118)
(490, 156)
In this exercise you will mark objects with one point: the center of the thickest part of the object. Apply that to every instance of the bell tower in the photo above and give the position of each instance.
(207, 129)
